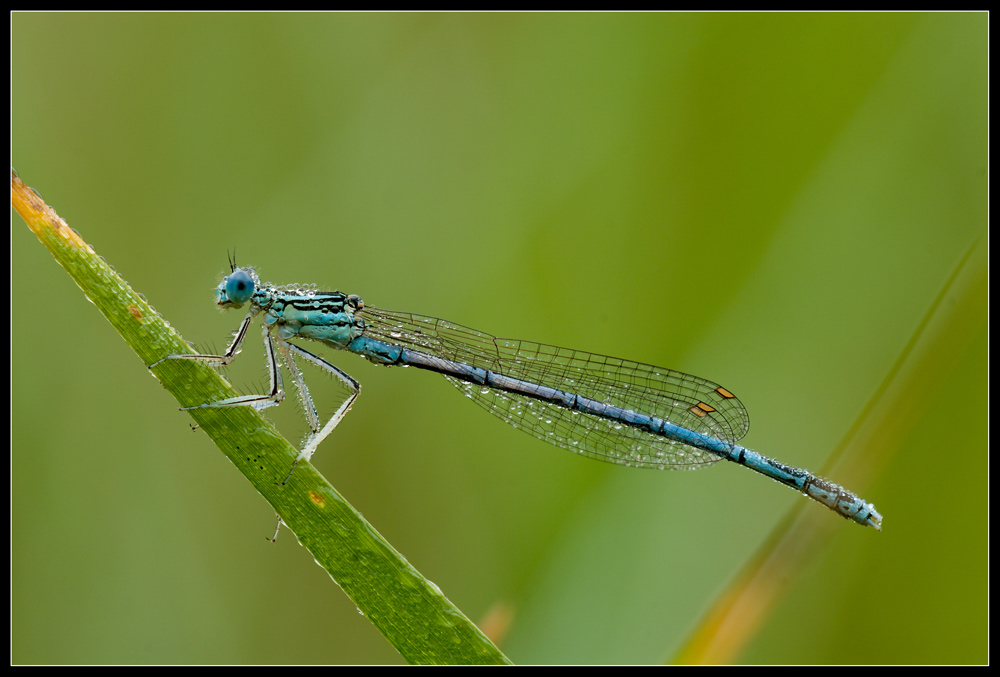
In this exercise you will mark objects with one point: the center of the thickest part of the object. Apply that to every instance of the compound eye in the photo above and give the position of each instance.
(239, 287)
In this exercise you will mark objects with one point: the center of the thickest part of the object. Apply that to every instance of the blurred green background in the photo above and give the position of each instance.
(770, 201)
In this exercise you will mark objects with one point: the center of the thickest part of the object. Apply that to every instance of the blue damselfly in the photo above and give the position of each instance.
(606, 408)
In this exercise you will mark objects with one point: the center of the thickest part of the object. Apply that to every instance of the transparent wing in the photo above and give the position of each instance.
(688, 401)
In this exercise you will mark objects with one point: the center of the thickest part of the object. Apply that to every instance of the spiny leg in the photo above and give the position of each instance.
(258, 402)
(277, 392)
(223, 360)
(318, 434)
(312, 416)
(277, 528)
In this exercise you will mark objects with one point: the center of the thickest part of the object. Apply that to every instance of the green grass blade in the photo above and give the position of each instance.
(410, 611)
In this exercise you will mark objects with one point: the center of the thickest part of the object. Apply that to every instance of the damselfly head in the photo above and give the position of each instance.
(237, 288)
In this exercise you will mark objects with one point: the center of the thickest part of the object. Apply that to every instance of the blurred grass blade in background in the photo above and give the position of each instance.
(865, 452)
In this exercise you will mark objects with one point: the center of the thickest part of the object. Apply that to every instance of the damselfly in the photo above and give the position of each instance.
(606, 408)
